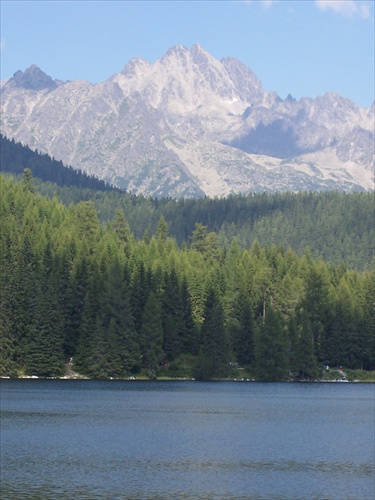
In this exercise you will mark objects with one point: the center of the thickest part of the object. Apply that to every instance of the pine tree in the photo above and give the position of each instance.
(99, 362)
(116, 308)
(121, 226)
(245, 341)
(305, 361)
(316, 305)
(190, 334)
(151, 335)
(139, 292)
(173, 316)
(27, 301)
(213, 359)
(10, 278)
(45, 355)
(162, 229)
(89, 325)
(76, 303)
(27, 181)
(270, 348)
(88, 223)
(367, 324)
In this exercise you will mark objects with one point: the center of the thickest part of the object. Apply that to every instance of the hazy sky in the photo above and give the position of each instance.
(304, 48)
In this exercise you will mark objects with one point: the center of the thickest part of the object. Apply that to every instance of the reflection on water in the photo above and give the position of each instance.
(88, 439)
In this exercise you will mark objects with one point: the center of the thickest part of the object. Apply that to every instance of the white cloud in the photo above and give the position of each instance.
(347, 8)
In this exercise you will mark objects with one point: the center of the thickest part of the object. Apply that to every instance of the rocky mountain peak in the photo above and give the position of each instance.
(177, 51)
(189, 124)
(33, 78)
(244, 80)
(134, 67)
(201, 56)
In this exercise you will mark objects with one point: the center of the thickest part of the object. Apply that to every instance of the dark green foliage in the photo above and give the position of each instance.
(305, 362)
(244, 338)
(172, 316)
(72, 286)
(336, 227)
(366, 325)
(101, 352)
(151, 335)
(80, 305)
(316, 306)
(139, 292)
(213, 361)
(270, 352)
(190, 334)
(15, 158)
(117, 317)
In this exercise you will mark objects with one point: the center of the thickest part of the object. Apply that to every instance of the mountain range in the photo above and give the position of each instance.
(189, 125)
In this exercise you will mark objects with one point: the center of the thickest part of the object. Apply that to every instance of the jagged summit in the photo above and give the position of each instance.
(244, 80)
(176, 51)
(33, 78)
(191, 125)
(133, 66)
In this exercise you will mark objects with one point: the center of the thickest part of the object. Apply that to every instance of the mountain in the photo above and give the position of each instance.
(190, 125)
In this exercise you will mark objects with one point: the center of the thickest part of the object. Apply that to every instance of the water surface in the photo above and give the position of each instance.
(177, 440)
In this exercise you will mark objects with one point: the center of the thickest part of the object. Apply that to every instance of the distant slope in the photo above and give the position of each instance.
(15, 157)
(338, 227)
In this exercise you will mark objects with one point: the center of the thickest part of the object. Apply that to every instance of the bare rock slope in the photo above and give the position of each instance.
(190, 125)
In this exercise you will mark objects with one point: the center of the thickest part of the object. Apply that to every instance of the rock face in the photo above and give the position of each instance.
(190, 125)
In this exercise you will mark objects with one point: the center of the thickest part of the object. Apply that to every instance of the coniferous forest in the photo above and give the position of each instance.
(333, 226)
(76, 283)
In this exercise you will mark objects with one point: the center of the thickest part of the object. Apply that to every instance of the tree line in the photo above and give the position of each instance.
(336, 227)
(15, 157)
(75, 287)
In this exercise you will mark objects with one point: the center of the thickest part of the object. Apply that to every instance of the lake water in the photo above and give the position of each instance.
(70, 439)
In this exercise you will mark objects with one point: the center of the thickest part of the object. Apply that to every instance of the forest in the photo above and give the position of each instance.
(79, 286)
(15, 157)
(336, 227)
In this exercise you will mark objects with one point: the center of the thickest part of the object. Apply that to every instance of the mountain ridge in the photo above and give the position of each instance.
(190, 125)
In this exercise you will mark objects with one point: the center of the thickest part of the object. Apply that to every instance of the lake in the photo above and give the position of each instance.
(87, 439)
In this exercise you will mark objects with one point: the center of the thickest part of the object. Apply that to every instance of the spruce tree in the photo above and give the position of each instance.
(213, 359)
(305, 360)
(245, 340)
(45, 355)
(367, 325)
(173, 316)
(116, 308)
(270, 347)
(190, 334)
(151, 335)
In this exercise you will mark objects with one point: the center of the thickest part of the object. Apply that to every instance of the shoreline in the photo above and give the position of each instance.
(170, 379)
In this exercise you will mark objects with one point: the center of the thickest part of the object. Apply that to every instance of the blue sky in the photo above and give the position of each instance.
(304, 48)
